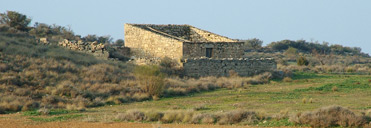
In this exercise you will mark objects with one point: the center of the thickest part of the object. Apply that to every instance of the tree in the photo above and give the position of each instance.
(41, 30)
(253, 43)
(105, 39)
(90, 38)
(120, 42)
(291, 51)
(15, 20)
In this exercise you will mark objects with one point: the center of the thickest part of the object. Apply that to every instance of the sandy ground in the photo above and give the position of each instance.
(19, 121)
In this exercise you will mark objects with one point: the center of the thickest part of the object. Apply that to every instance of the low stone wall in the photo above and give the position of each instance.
(221, 67)
(219, 49)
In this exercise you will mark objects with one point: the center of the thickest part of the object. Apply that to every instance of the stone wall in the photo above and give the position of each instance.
(94, 48)
(221, 67)
(220, 49)
(152, 44)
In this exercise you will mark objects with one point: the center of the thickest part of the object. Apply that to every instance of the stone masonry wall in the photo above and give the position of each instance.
(221, 67)
(220, 49)
(148, 44)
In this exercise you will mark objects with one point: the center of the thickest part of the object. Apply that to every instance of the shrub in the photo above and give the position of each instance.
(151, 79)
(131, 115)
(302, 61)
(310, 100)
(208, 119)
(368, 113)
(196, 119)
(287, 79)
(238, 116)
(43, 111)
(170, 117)
(334, 88)
(154, 116)
(304, 100)
(331, 116)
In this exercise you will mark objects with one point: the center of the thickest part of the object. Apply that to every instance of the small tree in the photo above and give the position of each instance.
(302, 61)
(151, 79)
(253, 43)
(291, 51)
(105, 39)
(15, 20)
(120, 42)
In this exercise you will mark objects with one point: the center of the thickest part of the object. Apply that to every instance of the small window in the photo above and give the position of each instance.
(209, 52)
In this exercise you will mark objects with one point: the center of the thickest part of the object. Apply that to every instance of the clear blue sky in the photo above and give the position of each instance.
(346, 22)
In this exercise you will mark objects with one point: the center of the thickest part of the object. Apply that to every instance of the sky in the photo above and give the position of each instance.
(345, 22)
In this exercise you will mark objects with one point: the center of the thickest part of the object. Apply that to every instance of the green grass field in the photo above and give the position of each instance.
(354, 92)
(306, 92)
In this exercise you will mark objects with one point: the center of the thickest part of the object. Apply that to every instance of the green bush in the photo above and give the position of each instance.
(15, 20)
(302, 61)
(151, 79)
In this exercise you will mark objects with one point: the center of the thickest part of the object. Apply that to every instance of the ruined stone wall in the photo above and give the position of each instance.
(93, 48)
(208, 36)
(221, 67)
(148, 44)
(220, 49)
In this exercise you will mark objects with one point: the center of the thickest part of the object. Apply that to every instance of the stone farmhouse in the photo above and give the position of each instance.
(199, 52)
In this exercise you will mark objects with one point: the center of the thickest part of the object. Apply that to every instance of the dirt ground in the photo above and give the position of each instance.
(19, 121)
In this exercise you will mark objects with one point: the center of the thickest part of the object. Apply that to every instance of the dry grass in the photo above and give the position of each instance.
(177, 86)
(331, 116)
(131, 115)
(238, 116)
(178, 116)
(287, 79)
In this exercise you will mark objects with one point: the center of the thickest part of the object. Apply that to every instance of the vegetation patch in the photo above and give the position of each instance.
(50, 112)
(55, 118)
(277, 123)
(347, 85)
(332, 116)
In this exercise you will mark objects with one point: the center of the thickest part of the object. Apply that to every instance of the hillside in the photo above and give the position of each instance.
(46, 82)
(36, 75)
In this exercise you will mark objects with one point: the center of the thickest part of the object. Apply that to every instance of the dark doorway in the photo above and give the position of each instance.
(209, 52)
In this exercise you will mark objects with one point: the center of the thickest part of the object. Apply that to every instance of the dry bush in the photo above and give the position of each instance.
(284, 114)
(334, 88)
(199, 107)
(30, 105)
(196, 119)
(150, 79)
(368, 113)
(287, 79)
(188, 115)
(208, 119)
(131, 115)
(154, 115)
(176, 86)
(310, 100)
(238, 116)
(304, 100)
(169, 117)
(43, 111)
(141, 96)
(329, 117)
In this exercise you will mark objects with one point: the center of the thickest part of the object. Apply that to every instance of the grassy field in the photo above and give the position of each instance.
(305, 92)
